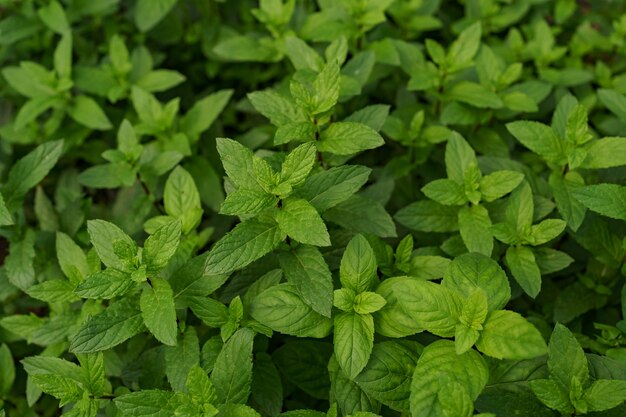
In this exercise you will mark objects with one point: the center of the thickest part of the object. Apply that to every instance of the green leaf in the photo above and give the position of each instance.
(113, 175)
(433, 307)
(238, 163)
(473, 271)
(346, 138)
(614, 101)
(204, 112)
(306, 268)
(521, 262)
(232, 374)
(92, 366)
(349, 397)
(499, 183)
(160, 80)
(393, 320)
(328, 188)
(161, 246)
(458, 158)
(606, 199)
(246, 243)
(29, 171)
(7, 370)
(245, 201)
(5, 216)
(157, 310)
(464, 48)
(53, 16)
(87, 112)
(358, 266)
(353, 340)
(304, 363)
(520, 209)
(299, 220)
(446, 192)
(605, 394)
(18, 265)
(105, 237)
(118, 323)
(63, 57)
(429, 216)
(295, 131)
(298, 164)
(440, 365)
(267, 387)
(276, 107)
(153, 403)
(539, 138)
(56, 290)
(301, 55)
(182, 200)
(150, 12)
(200, 387)
(552, 395)
(362, 215)
(368, 302)
(605, 153)
(343, 299)
(387, 375)
(507, 335)
(572, 210)
(566, 359)
(475, 95)
(474, 224)
(464, 338)
(281, 309)
(180, 359)
(326, 86)
(104, 285)
(32, 109)
(210, 311)
(546, 231)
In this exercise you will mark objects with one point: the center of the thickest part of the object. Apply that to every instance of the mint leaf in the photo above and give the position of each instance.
(106, 237)
(566, 359)
(306, 268)
(606, 199)
(118, 323)
(346, 138)
(149, 13)
(246, 243)
(521, 261)
(507, 335)
(328, 188)
(157, 310)
(353, 340)
(539, 138)
(232, 374)
(283, 310)
(440, 365)
(605, 394)
(300, 221)
(432, 306)
(29, 171)
(358, 265)
(182, 200)
(473, 271)
(161, 246)
(474, 224)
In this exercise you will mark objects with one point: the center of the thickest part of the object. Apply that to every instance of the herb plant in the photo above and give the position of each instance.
(289, 208)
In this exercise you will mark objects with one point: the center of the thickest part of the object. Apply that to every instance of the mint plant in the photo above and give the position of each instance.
(280, 208)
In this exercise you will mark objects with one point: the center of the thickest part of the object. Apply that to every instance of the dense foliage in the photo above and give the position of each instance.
(312, 208)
